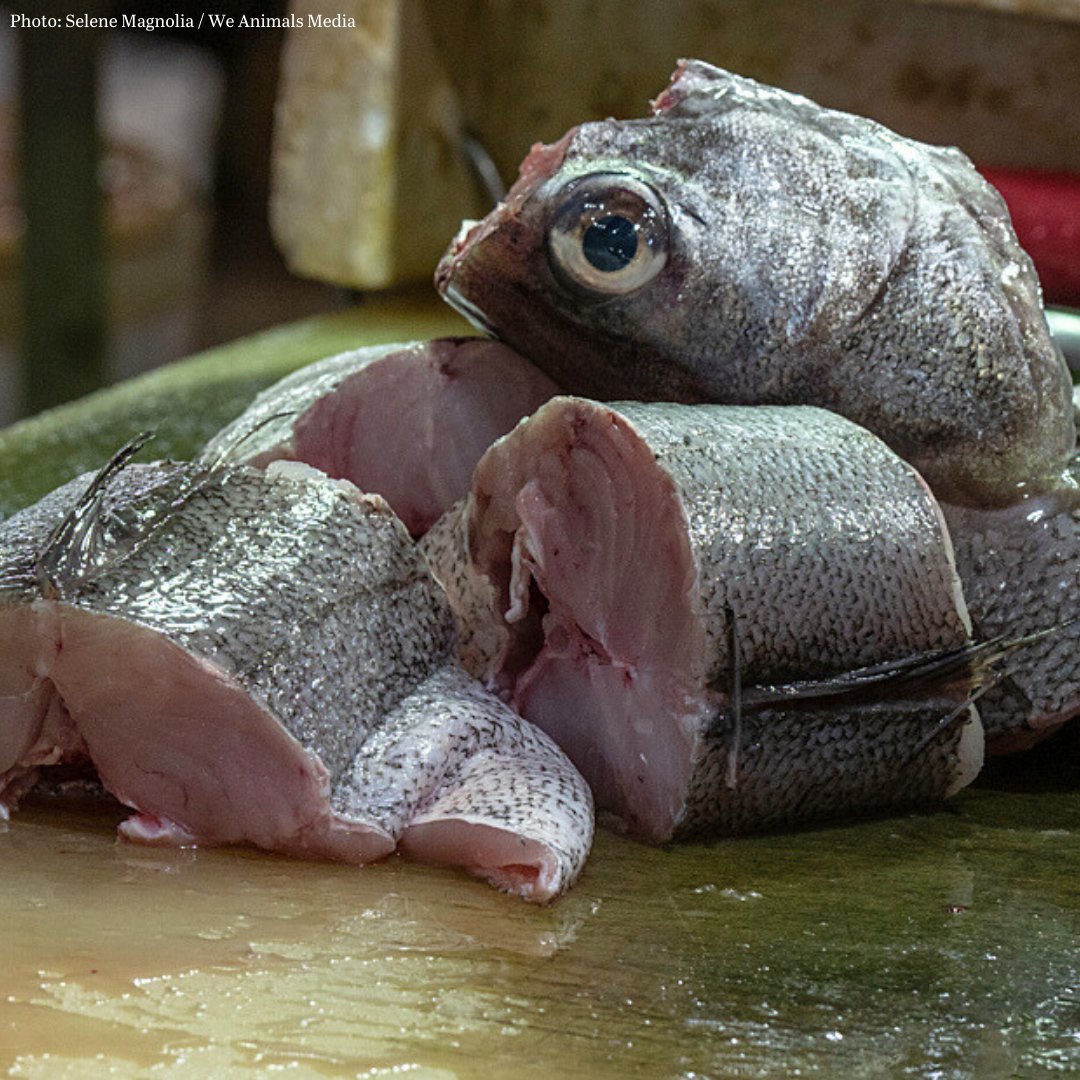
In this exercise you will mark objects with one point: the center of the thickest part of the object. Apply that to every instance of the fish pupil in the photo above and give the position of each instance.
(610, 243)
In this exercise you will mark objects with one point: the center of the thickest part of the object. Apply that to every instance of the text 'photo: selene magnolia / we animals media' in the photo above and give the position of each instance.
(212, 20)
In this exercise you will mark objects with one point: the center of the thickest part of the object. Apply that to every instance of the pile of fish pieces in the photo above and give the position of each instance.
(753, 613)
(830, 518)
(617, 571)
(262, 657)
(744, 246)
(715, 652)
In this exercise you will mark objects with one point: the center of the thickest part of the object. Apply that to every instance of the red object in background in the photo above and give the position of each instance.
(1045, 209)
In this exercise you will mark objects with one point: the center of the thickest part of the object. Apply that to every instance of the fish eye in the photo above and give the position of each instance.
(608, 234)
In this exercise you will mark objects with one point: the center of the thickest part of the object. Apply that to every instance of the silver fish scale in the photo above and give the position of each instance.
(481, 637)
(268, 422)
(800, 312)
(813, 257)
(1021, 572)
(450, 730)
(796, 766)
(312, 599)
(895, 260)
(824, 544)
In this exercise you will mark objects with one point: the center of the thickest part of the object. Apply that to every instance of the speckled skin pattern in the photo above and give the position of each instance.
(489, 767)
(251, 576)
(1021, 571)
(831, 553)
(813, 258)
(310, 597)
(827, 546)
(471, 595)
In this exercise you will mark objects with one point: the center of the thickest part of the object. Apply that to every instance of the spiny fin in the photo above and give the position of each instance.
(71, 545)
(227, 455)
(968, 668)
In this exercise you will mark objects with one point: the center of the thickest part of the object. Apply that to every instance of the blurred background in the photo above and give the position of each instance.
(149, 208)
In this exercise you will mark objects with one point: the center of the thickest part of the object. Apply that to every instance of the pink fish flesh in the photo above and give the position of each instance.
(685, 596)
(406, 421)
(263, 658)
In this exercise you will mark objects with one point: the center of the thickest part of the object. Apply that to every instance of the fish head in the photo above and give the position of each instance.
(585, 263)
(702, 253)
(744, 245)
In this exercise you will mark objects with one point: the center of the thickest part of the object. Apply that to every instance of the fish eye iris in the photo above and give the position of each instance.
(607, 235)
(610, 243)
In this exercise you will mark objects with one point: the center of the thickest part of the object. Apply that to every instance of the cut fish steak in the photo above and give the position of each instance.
(406, 421)
(263, 658)
(730, 618)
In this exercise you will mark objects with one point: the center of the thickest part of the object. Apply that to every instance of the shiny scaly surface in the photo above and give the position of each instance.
(944, 945)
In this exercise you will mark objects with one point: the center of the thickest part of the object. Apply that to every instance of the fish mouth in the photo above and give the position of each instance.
(463, 306)
(539, 165)
(459, 275)
(453, 267)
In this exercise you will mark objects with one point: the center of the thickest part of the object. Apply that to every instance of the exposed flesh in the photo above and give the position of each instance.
(616, 540)
(263, 658)
(407, 421)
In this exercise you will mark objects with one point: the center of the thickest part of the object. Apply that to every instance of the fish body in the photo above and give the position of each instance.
(679, 594)
(744, 245)
(407, 421)
(1020, 566)
(263, 658)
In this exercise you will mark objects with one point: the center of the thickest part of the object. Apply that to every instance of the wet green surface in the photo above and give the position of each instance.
(927, 946)
(941, 945)
(188, 401)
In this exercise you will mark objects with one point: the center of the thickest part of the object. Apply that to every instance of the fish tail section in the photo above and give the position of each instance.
(462, 780)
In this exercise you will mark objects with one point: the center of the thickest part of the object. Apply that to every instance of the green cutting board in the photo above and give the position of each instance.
(941, 945)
